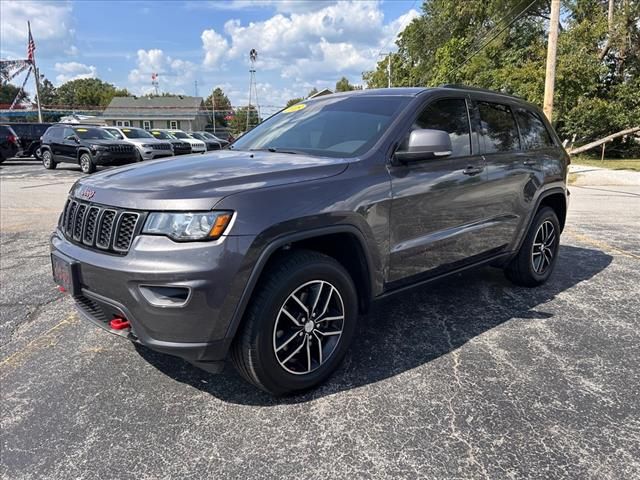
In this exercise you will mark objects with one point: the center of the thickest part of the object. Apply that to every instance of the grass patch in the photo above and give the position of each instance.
(613, 164)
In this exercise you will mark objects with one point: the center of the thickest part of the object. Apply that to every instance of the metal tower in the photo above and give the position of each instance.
(253, 89)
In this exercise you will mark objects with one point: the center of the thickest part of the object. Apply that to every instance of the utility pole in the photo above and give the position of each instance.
(213, 110)
(389, 71)
(550, 75)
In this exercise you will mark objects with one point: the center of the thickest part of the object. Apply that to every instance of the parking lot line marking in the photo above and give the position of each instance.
(600, 244)
(37, 341)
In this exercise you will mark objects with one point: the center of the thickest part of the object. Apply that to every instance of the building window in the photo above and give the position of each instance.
(122, 123)
(146, 124)
(173, 125)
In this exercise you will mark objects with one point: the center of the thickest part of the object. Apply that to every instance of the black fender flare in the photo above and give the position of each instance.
(273, 246)
(82, 150)
(544, 194)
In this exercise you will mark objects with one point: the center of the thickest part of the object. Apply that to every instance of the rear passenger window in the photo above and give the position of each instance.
(498, 128)
(533, 132)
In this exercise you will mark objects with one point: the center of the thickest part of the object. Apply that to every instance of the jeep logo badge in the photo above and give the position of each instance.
(87, 193)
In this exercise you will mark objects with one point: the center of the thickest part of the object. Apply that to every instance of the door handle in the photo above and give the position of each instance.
(530, 163)
(473, 170)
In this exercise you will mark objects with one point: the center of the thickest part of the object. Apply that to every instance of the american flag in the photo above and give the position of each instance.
(31, 47)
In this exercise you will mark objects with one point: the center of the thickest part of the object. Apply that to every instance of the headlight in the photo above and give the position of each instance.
(147, 145)
(97, 147)
(188, 226)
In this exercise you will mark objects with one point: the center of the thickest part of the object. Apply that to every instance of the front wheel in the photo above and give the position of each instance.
(86, 163)
(139, 156)
(538, 254)
(299, 324)
(47, 160)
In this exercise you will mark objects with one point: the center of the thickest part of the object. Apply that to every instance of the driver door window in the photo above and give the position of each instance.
(450, 115)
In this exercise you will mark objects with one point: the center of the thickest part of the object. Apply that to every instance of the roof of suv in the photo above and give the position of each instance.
(414, 91)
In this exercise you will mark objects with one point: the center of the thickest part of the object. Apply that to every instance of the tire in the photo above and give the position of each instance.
(138, 156)
(538, 254)
(47, 160)
(86, 163)
(37, 154)
(283, 353)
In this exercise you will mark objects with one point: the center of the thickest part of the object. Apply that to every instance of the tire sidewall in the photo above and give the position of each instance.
(546, 214)
(48, 164)
(89, 169)
(274, 376)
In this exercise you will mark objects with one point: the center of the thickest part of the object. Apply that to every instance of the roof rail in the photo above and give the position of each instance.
(479, 89)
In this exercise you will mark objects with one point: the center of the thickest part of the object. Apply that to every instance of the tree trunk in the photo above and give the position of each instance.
(607, 44)
(613, 136)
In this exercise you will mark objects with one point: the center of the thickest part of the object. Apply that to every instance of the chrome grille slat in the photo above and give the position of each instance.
(70, 218)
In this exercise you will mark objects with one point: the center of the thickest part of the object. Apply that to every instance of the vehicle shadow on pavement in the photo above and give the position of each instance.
(411, 329)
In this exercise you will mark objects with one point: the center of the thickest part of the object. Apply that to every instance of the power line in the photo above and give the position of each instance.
(516, 18)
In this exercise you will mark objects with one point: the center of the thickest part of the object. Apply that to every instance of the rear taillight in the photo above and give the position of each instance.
(12, 139)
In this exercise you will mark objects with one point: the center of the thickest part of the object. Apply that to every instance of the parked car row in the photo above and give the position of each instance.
(91, 145)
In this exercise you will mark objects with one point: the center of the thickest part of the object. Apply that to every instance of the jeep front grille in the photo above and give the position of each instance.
(100, 227)
(162, 146)
(120, 148)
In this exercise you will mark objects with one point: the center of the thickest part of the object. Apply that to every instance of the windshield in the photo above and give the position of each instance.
(162, 135)
(93, 134)
(332, 127)
(136, 133)
(180, 135)
(198, 136)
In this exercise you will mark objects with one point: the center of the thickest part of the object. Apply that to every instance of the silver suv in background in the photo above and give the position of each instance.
(147, 146)
(197, 146)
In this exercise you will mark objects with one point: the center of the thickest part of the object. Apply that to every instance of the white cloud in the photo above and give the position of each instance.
(73, 71)
(51, 26)
(215, 47)
(174, 75)
(304, 43)
(287, 6)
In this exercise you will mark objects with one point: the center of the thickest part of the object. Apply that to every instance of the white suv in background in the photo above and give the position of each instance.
(197, 146)
(147, 146)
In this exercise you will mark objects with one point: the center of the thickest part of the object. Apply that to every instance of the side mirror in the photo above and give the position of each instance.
(425, 143)
(73, 138)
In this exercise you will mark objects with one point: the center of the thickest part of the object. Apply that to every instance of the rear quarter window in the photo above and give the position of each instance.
(498, 128)
(533, 132)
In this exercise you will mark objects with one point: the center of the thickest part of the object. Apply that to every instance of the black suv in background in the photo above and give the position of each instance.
(9, 143)
(87, 146)
(179, 147)
(209, 142)
(30, 135)
(268, 251)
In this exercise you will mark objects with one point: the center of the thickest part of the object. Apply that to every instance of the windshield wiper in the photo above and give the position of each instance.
(274, 150)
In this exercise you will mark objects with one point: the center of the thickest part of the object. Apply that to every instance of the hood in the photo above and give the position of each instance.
(192, 141)
(142, 141)
(198, 182)
(104, 141)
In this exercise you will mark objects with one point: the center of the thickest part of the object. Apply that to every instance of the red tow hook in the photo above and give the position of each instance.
(119, 323)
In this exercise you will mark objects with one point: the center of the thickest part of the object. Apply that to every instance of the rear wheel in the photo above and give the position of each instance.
(299, 324)
(537, 257)
(47, 160)
(86, 163)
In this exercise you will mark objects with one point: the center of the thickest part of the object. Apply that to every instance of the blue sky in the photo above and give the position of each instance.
(300, 44)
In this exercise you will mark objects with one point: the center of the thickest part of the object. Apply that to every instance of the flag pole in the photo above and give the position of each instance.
(36, 72)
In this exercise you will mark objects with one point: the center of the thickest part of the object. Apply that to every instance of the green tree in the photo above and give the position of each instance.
(238, 123)
(494, 44)
(91, 92)
(293, 101)
(48, 93)
(343, 85)
(8, 93)
(222, 106)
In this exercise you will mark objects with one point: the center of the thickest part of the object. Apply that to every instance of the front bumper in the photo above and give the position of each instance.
(110, 286)
(101, 157)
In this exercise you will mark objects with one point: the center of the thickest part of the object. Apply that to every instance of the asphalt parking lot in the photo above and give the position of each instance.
(469, 378)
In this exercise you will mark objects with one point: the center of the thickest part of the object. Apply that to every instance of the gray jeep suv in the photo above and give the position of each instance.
(266, 253)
